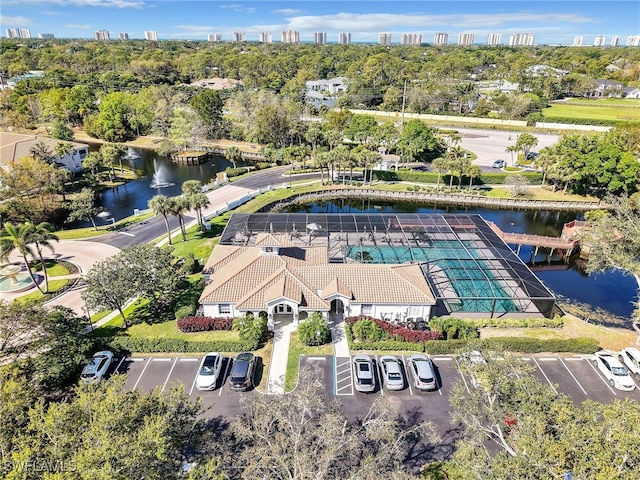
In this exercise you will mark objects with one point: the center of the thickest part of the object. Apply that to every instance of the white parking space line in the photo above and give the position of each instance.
(119, 363)
(316, 358)
(547, 359)
(572, 376)
(127, 234)
(601, 377)
(378, 371)
(189, 359)
(545, 376)
(343, 376)
(465, 382)
(226, 371)
(406, 371)
(162, 359)
(194, 382)
(142, 373)
(171, 370)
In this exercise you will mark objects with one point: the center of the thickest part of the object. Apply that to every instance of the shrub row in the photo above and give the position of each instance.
(389, 345)
(517, 344)
(395, 332)
(204, 324)
(175, 345)
(554, 322)
(234, 172)
(490, 178)
(582, 121)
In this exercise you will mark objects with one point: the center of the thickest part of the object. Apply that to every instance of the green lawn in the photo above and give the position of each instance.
(297, 348)
(54, 269)
(595, 111)
(199, 244)
(36, 296)
(170, 330)
(88, 232)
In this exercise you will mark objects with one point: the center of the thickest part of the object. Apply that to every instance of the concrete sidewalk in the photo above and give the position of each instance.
(280, 352)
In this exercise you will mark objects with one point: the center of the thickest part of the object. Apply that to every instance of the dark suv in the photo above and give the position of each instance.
(242, 372)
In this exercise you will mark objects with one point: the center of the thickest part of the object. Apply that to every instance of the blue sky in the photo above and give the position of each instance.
(552, 22)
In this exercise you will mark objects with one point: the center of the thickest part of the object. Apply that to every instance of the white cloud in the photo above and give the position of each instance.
(78, 26)
(288, 11)
(238, 7)
(82, 3)
(15, 21)
(376, 22)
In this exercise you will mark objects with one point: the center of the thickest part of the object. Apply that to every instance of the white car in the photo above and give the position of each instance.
(209, 372)
(615, 373)
(422, 371)
(363, 372)
(391, 372)
(97, 368)
(631, 358)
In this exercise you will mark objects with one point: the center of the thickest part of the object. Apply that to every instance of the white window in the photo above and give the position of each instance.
(224, 308)
(367, 309)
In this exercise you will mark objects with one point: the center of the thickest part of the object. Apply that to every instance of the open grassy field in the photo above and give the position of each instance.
(620, 111)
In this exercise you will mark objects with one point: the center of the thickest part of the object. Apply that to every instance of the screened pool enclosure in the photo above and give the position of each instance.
(468, 267)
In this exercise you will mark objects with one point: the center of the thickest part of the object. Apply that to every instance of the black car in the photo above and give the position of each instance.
(242, 372)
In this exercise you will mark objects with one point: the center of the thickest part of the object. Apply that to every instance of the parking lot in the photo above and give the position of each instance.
(574, 376)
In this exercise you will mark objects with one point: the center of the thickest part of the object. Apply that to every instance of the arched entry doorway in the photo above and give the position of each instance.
(337, 306)
(283, 314)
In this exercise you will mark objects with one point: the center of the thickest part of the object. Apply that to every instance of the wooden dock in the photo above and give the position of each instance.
(567, 247)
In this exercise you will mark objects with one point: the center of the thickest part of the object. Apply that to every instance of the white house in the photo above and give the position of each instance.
(15, 146)
(288, 280)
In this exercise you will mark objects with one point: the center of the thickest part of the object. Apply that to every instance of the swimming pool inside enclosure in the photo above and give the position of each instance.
(468, 267)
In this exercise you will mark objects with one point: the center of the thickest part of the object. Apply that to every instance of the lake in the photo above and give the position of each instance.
(121, 201)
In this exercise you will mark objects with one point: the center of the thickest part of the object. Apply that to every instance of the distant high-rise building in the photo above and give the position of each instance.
(494, 39)
(522, 40)
(46, 36)
(151, 35)
(411, 39)
(290, 36)
(101, 35)
(238, 36)
(384, 38)
(466, 39)
(344, 38)
(600, 41)
(577, 40)
(18, 33)
(123, 36)
(265, 37)
(320, 38)
(441, 38)
(633, 41)
(214, 37)
(615, 40)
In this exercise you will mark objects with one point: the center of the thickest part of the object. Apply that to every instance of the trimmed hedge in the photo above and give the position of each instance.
(485, 178)
(175, 345)
(192, 324)
(235, 172)
(397, 333)
(518, 344)
(389, 345)
(554, 322)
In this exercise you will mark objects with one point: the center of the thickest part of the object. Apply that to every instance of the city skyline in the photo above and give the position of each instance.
(549, 22)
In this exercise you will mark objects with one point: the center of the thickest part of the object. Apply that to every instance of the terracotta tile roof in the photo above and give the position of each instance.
(283, 284)
(372, 283)
(336, 286)
(273, 240)
(248, 278)
(221, 255)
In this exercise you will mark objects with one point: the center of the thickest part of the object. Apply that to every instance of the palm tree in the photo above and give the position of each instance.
(41, 236)
(341, 156)
(473, 171)
(233, 154)
(322, 161)
(179, 206)
(161, 205)
(439, 165)
(17, 238)
(512, 149)
(455, 157)
(198, 201)
(63, 149)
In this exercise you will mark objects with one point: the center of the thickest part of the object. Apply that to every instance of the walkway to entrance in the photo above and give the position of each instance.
(280, 352)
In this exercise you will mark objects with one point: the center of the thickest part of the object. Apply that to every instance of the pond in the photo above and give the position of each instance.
(150, 166)
(612, 291)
